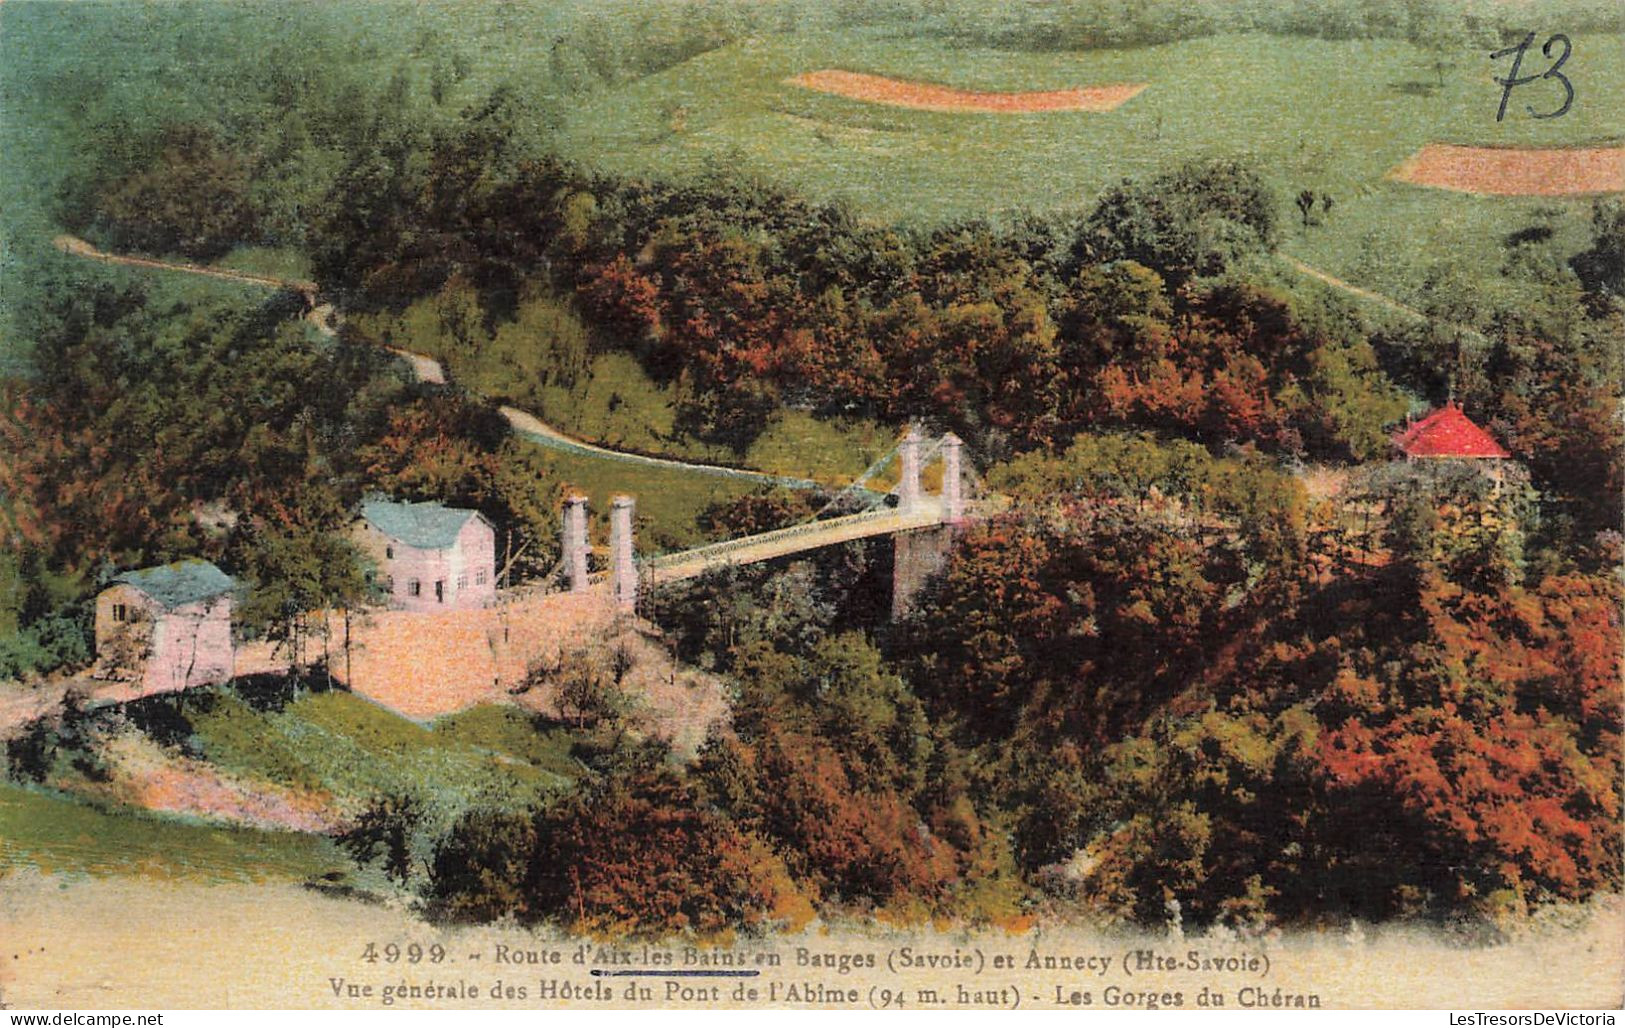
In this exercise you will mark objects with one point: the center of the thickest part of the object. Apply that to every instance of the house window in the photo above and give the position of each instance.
(462, 582)
(389, 584)
(389, 553)
(440, 591)
(479, 577)
(120, 612)
(414, 587)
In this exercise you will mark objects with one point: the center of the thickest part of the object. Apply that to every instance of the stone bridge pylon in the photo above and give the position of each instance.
(909, 493)
(919, 553)
(578, 576)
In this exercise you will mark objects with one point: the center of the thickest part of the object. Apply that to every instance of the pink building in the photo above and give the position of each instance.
(428, 556)
(167, 627)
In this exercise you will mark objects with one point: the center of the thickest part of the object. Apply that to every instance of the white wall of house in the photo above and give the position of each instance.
(138, 640)
(460, 577)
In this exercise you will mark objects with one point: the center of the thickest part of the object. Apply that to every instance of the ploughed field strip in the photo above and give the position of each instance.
(927, 96)
(1516, 171)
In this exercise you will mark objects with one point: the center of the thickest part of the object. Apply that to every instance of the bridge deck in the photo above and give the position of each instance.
(785, 541)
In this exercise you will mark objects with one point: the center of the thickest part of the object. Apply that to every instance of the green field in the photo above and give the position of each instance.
(1333, 116)
(356, 750)
(333, 743)
(55, 833)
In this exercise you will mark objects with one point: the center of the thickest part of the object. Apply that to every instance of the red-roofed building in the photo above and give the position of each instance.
(1448, 434)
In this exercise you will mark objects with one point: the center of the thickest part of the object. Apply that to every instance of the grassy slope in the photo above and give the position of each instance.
(616, 404)
(1332, 116)
(508, 733)
(52, 832)
(357, 750)
(336, 742)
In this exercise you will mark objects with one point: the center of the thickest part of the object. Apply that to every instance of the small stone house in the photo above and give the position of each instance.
(428, 556)
(166, 627)
(1448, 434)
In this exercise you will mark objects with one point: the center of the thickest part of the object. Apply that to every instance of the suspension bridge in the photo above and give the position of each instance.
(906, 511)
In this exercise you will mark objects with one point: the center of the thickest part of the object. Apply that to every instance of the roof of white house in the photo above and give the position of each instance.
(176, 585)
(427, 526)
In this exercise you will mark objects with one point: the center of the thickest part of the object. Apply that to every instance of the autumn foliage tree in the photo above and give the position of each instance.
(1015, 334)
(638, 853)
(760, 511)
(1433, 753)
(1433, 734)
(643, 857)
(1493, 767)
(836, 765)
(1100, 594)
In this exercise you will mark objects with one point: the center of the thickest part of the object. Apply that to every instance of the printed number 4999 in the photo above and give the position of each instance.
(412, 953)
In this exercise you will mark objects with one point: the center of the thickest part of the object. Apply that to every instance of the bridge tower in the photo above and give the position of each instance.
(908, 458)
(920, 553)
(574, 532)
(623, 573)
(953, 495)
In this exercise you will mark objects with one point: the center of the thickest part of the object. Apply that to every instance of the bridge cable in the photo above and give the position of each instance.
(853, 486)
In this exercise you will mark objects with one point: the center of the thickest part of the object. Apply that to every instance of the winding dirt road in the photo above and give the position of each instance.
(1352, 289)
(427, 369)
(1379, 299)
(79, 248)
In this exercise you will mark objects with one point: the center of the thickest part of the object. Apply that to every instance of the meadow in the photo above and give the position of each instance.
(54, 832)
(355, 750)
(339, 748)
(1330, 116)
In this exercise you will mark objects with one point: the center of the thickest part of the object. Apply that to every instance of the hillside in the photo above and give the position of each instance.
(1332, 116)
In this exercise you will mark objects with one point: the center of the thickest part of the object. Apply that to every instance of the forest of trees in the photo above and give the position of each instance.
(1014, 336)
(1150, 680)
(151, 432)
(1430, 733)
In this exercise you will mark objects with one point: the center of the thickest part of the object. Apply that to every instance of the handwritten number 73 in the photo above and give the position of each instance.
(1512, 79)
